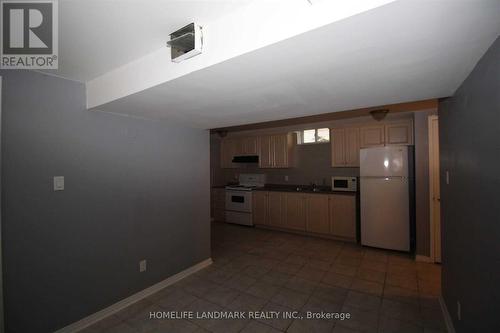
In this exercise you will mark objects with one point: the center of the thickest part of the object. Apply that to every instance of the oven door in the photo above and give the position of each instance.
(239, 201)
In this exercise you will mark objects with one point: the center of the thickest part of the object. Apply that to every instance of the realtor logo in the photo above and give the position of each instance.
(29, 34)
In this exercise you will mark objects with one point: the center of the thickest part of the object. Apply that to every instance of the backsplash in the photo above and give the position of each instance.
(312, 164)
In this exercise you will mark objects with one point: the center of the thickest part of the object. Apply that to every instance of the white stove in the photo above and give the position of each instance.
(239, 198)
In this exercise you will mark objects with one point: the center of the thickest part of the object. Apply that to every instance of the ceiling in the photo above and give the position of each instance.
(405, 51)
(97, 36)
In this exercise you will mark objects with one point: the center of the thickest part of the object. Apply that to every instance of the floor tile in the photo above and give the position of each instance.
(401, 294)
(302, 285)
(246, 302)
(276, 278)
(279, 323)
(370, 275)
(241, 282)
(256, 270)
(363, 301)
(308, 326)
(369, 287)
(263, 290)
(337, 280)
(221, 295)
(393, 325)
(331, 293)
(290, 298)
(258, 327)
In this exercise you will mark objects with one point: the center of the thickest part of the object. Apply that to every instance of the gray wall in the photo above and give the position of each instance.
(131, 185)
(470, 151)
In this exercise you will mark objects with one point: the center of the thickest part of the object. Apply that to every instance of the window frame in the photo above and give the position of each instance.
(300, 136)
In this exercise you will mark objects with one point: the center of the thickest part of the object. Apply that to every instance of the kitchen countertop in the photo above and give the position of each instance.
(303, 189)
(293, 188)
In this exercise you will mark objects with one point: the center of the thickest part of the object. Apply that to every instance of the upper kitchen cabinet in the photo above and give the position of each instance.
(237, 146)
(345, 147)
(276, 151)
(399, 133)
(372, 136)
(386, 134)
(227, 152)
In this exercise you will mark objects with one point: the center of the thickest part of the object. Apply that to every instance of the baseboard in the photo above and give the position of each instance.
(94, 318)
(446, 315)
(420, 258)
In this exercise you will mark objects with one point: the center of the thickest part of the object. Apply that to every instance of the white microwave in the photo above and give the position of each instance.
(348, 184)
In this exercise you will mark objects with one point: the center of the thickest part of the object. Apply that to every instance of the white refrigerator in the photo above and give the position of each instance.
(385, 197)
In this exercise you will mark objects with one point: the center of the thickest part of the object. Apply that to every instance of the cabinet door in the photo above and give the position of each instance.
(276, 205)
(352, 147)
(227, 153)
(250, 146)
(343, 215)
(260, 208)
(265, 156)
(372, 136)
(317, 213)
(239, 146)
(338, 145)
(280, 151)
(399, 133)
(295, 211)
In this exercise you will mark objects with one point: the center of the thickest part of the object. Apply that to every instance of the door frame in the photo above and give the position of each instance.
(432, 227)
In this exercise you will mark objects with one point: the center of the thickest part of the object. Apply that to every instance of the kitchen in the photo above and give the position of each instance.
(314, 187)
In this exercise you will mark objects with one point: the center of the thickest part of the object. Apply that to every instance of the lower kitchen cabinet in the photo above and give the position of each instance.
(276, 208)
(317, 213)
(343, 215)
(295, 217)
(331, 215)
(260, 208)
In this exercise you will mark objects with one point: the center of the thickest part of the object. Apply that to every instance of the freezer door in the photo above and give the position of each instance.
(385, 215)
(384, 161)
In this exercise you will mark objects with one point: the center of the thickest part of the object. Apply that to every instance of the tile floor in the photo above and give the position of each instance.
(261, 270)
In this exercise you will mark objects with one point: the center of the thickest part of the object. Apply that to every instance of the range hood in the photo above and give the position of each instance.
(246, 159)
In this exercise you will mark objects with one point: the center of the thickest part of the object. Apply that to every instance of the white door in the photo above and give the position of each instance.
(435, 192)
(384, 161)
(385, 212)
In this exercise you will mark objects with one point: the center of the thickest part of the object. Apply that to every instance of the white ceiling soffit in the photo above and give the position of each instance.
(97, 36)
(251, 27)
(404, 51)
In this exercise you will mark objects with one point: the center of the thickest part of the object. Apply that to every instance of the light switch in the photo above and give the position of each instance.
(59, 183)
(142, 265)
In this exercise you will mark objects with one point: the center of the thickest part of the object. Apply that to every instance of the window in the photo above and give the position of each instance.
(318, 135)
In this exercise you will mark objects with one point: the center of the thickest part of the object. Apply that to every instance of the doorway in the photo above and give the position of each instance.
(434, 189)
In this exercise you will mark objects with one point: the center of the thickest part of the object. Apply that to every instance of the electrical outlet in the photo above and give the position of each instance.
(142, 265)
(459, 311)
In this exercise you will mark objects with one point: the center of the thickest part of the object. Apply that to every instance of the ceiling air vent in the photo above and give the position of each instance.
(186, 42)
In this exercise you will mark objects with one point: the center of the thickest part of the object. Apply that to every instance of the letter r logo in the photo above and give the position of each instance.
(27, 27)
